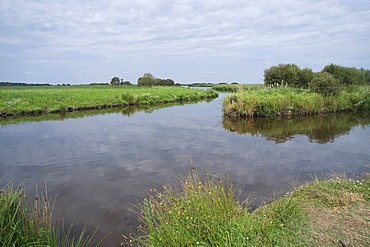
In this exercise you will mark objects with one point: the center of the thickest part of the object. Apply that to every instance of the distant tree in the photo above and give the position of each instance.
(127, 83)
(115, 81)
(148, 80)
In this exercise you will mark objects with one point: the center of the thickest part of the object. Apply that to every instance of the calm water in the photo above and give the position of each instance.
(99, 165)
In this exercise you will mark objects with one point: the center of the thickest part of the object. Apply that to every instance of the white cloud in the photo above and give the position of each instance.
(142, 32)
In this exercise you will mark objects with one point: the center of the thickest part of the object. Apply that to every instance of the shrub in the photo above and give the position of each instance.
(325, 84)
(348, 75)
(282, 74)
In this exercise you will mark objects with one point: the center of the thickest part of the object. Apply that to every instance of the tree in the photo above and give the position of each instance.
(148, 80)
(115, 81)
(346, 75)
(282, 74)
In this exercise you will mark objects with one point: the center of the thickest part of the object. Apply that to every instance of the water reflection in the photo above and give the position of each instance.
(320, 129)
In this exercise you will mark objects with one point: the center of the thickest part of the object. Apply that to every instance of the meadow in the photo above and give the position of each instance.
(279, 101)
(56, 99)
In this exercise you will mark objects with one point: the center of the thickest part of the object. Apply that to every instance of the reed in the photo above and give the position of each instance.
(25, 222)
(287, 101)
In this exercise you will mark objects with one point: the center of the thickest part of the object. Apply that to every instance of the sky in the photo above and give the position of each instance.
(84, 41)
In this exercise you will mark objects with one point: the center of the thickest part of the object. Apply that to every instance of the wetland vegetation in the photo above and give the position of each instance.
(205, 212)
(290, 90)
(33, 222)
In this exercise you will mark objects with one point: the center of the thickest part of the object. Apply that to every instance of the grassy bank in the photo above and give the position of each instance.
(286, 101)
(205, 212)
(25, 222)
(53, 99)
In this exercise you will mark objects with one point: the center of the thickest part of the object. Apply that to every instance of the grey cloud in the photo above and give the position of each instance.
(118, 31)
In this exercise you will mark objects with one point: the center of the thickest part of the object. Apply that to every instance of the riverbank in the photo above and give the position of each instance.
(205, 210)
(281, 101)
(56, 99)
(333, 212)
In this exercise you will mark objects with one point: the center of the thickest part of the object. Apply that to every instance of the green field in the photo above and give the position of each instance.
(280, 101)
(53, 99)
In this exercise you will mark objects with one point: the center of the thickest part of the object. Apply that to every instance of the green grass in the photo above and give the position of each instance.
(25, 222)
(205, 212)
(37, 100)
(287, 101)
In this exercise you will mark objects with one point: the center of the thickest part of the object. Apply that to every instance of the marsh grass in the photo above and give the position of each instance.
(205, 212)
(26, 222)
(287, 101)
(59, 99)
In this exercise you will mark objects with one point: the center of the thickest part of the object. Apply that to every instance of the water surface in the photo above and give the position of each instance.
(98, 165)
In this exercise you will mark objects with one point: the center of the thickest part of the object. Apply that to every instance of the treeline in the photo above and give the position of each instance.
(23, 84)
(329, 81)
(148, 80)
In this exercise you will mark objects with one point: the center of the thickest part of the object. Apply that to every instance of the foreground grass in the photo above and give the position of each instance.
(30, 223)
(53, 99)
(205, 212)
(287, 101)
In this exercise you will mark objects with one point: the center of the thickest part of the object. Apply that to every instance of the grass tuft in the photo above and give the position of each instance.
(25, 222)
(205, 212)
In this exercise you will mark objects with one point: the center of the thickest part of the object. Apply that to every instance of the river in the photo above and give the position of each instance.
(99, 165)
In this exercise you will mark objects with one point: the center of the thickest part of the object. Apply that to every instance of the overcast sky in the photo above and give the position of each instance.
(66, 41)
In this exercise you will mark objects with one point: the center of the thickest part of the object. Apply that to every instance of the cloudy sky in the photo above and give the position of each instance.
(66, 41)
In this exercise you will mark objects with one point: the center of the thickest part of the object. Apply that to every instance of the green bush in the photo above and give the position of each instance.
(348, 75)
(283, 74)
(325, 84)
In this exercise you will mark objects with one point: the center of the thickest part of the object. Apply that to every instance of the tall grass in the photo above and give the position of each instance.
(25, 222)
(37, 100)
(286, 101)
(205, 212)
